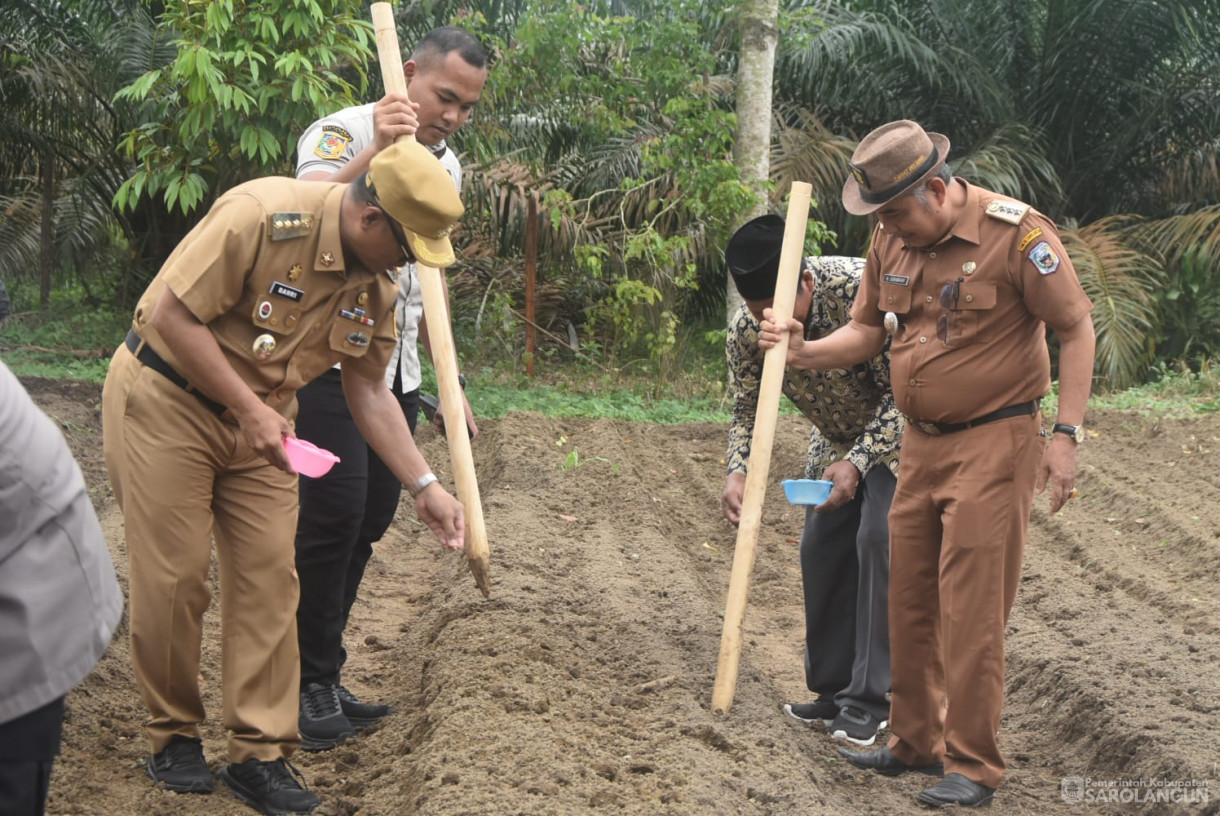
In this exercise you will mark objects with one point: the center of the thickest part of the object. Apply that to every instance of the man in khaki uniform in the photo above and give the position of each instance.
(966, 282)
(280, 280)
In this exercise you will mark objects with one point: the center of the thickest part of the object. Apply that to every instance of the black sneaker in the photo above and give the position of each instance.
(360, 714)
(856, 725)
(268, 787)
(321, 721)
(823, 709)
(180, 766)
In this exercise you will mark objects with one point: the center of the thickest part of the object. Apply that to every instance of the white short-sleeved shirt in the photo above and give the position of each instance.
(327, 145)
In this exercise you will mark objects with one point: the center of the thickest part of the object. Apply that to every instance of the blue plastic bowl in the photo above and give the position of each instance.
(807, 491)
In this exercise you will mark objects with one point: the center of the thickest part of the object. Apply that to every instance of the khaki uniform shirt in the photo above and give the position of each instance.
(267, 260)
(852, 410)
(1014, 279)
(328, 144)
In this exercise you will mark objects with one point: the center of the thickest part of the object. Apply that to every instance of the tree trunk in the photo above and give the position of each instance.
(752, 148)
(46, 241)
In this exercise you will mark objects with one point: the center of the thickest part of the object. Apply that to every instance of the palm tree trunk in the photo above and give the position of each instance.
(47, 232)
(752, 148)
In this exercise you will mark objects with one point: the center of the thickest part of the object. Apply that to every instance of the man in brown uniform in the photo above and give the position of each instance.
(966, 281)
(280, 280)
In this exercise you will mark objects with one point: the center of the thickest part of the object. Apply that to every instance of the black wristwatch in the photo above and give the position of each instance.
(1076, 432)
(462, 381)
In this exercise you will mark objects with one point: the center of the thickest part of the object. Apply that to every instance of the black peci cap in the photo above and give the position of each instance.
(752, 256)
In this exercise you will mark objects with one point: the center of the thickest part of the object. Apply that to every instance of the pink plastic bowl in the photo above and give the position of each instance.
(308, 459)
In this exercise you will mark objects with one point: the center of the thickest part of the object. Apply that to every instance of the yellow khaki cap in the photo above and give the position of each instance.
(415, 189)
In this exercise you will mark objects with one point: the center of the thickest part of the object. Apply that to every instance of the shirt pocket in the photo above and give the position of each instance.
(350, 338)
(894, 298)
(278, 315)
(975, 303)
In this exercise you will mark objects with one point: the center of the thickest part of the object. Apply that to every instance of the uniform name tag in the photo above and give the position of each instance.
(901, 280)
(285, 291)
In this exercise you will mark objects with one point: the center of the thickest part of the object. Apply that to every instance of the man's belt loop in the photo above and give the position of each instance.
(150, 359)
(939, 428)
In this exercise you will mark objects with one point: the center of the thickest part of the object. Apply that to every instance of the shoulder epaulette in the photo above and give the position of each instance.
(1010, 211)
(285, 225)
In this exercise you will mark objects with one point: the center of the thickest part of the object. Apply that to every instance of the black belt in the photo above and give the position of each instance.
(937, 428)
(153, 360)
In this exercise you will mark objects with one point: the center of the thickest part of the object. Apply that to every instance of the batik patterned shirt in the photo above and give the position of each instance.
(852, 410)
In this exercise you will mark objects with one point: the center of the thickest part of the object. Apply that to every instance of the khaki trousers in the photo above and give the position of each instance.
(181, 476)
(957, 537)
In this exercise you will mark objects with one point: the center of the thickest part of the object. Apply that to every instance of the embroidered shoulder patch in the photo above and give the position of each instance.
(285, 225)
(1044, 258)
(1029, 237)
(332, 142)
(1010, 211)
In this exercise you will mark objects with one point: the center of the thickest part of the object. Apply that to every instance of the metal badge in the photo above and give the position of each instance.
(362, 298)
(890, 322)
(294, 272)
(286, 225)
(264, 309)
(968, 267)
(264, 344)
(359, 339)
(327, 258)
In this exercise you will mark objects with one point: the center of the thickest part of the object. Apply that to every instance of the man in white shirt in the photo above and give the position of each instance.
(345, 511)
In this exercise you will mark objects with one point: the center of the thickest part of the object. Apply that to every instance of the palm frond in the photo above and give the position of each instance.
(1121, 280)
(1176, 236)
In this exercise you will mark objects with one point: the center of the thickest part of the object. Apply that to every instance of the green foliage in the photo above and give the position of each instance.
(1190, 308)
(495, 399)
(1175, 392)
(1101, 113)
(624, 117)
(246, 75)
(574, 460)
(73, 340)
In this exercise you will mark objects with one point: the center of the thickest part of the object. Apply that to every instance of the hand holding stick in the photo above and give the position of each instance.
(760, 449)
(440, 333)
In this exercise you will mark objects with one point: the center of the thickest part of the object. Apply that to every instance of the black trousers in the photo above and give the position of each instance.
(342, 514)
(28, 747)
(845, 572)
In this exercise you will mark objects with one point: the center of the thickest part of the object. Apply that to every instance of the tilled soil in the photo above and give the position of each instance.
(583, 685)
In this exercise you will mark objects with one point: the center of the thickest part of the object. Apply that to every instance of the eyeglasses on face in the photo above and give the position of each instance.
(397, 232)
(950, 294)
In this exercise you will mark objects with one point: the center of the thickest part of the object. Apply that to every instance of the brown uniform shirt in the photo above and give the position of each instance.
(267, 260)
(1015, 279)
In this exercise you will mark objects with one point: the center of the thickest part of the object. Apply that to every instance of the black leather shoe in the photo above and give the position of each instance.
(359, 713)
(956, 789)
(321, 721)
(180, 766)
(269, 787)
(886, 764)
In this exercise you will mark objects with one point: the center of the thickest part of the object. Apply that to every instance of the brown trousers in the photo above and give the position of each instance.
(181, 476)
(957, 537)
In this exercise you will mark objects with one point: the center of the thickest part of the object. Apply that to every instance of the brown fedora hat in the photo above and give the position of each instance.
(888, 162)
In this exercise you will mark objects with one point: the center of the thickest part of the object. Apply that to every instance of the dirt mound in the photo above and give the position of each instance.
(583, 685)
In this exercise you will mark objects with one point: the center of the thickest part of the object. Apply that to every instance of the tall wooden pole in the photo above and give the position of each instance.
(440, 334)
(760, 450)
(531, 280)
